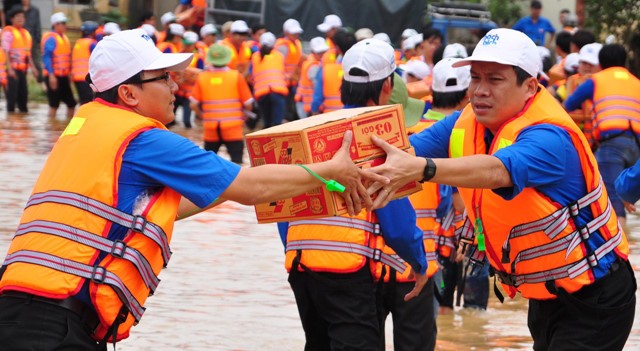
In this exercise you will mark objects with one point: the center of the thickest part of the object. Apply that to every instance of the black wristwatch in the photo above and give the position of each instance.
(429, 170)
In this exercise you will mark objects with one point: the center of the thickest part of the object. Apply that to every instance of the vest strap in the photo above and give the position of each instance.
(97, 274)
(327, 245)
(426, 213)
(347, 222)
(116, 248)
(429, 235)
(448, 221)
(466, 233)
(135, 223)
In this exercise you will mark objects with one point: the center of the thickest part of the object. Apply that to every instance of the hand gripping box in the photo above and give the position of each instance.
(317, 139)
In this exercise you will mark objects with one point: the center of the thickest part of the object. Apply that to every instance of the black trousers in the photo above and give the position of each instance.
(235, 148)
(596, 317)
(414, 321)
(338, 311)
(85, 94)
(39, 326)
(62, 94)
(17, 92)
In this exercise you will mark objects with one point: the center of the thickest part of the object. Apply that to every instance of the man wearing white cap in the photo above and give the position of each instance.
(291, 49)
(334, 289)
(56, 59)
(240, 50)
(415, 70)
(455, 50)
(208, 37)
(330, 26)
(165, 20)
(173, 40)
(615, 95)
(304, 91)
(546, 228)
(96, 231)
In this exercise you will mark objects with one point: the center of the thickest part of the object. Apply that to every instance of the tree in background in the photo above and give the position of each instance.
(504, 12)
(620, 18)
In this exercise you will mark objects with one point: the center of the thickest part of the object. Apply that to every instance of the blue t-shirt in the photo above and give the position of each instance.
(581, 94)
(542, 157)
(535, 30)
(628, 183)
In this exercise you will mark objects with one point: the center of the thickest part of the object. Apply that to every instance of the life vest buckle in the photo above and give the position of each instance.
(584, 233)
(593, 260)
(138, 224)
(377, 255)
(118, 249)
(574, 208)
(506, 278)
(99, 274)
(376, 229)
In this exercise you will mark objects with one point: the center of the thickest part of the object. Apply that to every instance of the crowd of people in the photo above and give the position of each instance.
(518, 150)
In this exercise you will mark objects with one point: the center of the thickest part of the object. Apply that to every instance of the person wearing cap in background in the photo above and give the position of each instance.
(409, 47)
(268, 75)
(165, 20)
(535, 26)
(291, 49)
(399, 52)
(363, 33)
(208, 37)
(304, 92)
(17, 44)
(383, 37)
(56, 59)
(187, 78)
(455, 50)
(97, 229)
(514, 155)
(330, 26)
(407, 33)
(240, 50)
(334, 289)
(80, 60)
(570, 66)
(414, 71)
(219, 97)
(570, 23)
(173, 41)
(326, 91)
(431, 41)
(151, 31)
(615, 94)
(108, 29)
(545, 64)
(254, 40)
(562, 49)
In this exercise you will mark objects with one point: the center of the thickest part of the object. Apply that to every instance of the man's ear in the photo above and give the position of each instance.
(532, 87)
(128, 95)
(386, 86)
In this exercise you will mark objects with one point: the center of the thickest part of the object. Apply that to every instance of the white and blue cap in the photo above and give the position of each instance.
(507, 47)
(372, 56)
(118, 57)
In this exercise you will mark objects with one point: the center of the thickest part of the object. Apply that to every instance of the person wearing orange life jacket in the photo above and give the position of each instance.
(188, 77)
(563, 49)
(240, 50)
(330, 26)
(291, 48)
(219, 97)
(326, 91)
(173, 40)
(96, 231)
(615, 94)
(17, 43)
(208, 37)
(254, 39)
(577, 71)
(331, 260)
(3, 70)
(548, 231)
(109, 28)
(56, 59)
(414, 321)
(165, 20)
(80, 60)
(304, 92)
(269, 81)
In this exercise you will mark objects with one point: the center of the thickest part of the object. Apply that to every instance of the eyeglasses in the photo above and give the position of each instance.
(165, 76)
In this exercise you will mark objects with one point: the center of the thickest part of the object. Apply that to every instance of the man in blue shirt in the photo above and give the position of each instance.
(513, 149)
(536, 26)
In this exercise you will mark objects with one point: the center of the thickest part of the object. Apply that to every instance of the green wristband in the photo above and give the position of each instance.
(331, 184)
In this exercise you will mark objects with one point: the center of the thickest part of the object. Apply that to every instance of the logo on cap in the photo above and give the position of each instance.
(145, 37)
(490, 39)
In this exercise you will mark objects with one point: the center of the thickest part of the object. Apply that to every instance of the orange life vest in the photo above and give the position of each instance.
(556, 72)
(3, 68)
(20, 48)
(332, 74)
(64, 227)
(268, 74)
(167, 45)
(189, 77)
(584, 115)
(80, 58)
(239, 59)
(616, 101)
(160, 36)
(397, 54)
(529, 239)
(330, 56)
(338, 244)
(292, 60)
(221, 105)
(304, 93)
(61, 55)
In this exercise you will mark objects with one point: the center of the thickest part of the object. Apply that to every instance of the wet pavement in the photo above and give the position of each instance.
(226, 287)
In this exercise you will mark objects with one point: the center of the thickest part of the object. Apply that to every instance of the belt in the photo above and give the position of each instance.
(87, 315)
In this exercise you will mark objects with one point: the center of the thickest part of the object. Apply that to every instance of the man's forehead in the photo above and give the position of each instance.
(482, 66)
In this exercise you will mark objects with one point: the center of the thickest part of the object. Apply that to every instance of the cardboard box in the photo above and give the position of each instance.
(317, 139)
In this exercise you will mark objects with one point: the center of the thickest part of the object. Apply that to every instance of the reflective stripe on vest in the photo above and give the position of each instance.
(616, 101)
(294, 55)
(304, 93)
(80, 59)
(268, 74)
(20, 48)
(61, 60)
(331, 82)
(218, 110)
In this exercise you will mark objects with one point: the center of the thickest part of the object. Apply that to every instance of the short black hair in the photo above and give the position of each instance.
(344, 40)
(429, 33)
(565, 11)
(521, 75)
(563, 41)
(15, 9)
(146, 15)
(111, 95)
(535, 4)
(255, 28)
(583, 37)
(448, 100)
(612, 55)
(547, 63)
(437, 54)
(359, 94)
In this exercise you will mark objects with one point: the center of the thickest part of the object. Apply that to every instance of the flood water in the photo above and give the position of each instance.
(226, 287)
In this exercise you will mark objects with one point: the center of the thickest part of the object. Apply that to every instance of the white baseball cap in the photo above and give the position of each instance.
(318, 45)
(589, 53)
(412, 42)
(571, 62)
(455, 50)
(111, 28)
(208, 29)
(239, 26)
(190, 37)
(330, 22)
(416, 68)
(363, 33)
(149, 29)
(120, 56)
(543, 52)
(508, 47)
(58, 17)
(268, 39)
(372, 56)
(447, 77)
(176, 29)
(409, 32)
(292, 26)
(168, 17)
(382, 36)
